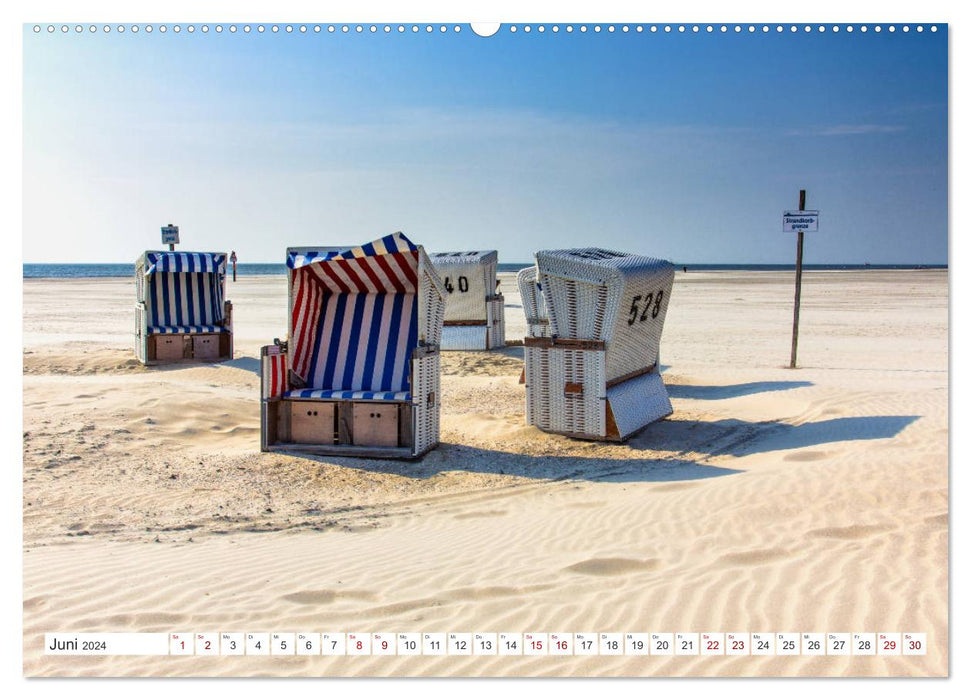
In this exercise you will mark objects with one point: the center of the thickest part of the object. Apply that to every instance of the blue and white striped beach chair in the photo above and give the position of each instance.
(180, 308)
(359, 373)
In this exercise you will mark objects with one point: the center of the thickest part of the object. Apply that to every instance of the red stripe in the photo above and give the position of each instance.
(327, 270)
(408, 262)
(303, 334)
(390, 272)
(367, 266)
(298, 312)
(348, 267)
(309, 313)
(273, 378)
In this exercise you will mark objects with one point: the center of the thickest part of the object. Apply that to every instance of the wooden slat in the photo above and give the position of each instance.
(406, 425)
(345, 423)
(344, 450)
(466, 323)
(564, 343)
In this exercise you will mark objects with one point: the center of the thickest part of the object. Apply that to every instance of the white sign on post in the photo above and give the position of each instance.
(807, 220)
(170, 235)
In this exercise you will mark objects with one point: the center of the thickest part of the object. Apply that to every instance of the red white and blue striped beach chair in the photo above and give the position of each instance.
(181, 313)
(359, 372)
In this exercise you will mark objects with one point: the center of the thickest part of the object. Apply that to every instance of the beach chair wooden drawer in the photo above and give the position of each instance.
(376, 424)
(205, 347)
(169, 347)
(311, 422)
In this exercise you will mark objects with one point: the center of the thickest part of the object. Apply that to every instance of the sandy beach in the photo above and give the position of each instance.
(772, 500)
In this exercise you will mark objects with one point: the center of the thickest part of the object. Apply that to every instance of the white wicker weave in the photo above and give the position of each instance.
(469, 279)
(537, 322)
(597, 376)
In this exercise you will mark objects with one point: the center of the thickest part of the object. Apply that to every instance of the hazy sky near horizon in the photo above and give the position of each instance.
(682, 146)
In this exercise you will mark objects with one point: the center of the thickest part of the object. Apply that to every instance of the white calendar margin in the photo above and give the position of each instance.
(507, 10)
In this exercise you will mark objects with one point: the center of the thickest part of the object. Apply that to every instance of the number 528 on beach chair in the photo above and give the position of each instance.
(359, 373)
(181, 313)
(596, 374)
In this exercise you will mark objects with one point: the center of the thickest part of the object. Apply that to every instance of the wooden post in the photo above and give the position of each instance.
(795, 310)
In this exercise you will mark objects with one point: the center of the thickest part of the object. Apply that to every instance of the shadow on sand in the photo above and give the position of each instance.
(729, 391)
(676, 439)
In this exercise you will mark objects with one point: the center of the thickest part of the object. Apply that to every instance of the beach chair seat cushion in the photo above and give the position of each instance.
(161, 330)
(348, 395)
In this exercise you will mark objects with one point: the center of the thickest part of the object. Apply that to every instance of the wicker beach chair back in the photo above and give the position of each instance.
(604, 295)
(469, 279)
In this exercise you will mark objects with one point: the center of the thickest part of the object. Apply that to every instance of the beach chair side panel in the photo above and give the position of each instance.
(537, 323)
(426, 397)
(635, 339)
(566, 390)
(495, 308)
(274, 383)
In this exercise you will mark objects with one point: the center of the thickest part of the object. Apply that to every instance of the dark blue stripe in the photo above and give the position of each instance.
(334, 341)
(201, 292)
(356, 322)
(371, 352)
(166, 316)
(412, 342)
(388, 377)
(215, 309)
(368, 249)
(177, 280)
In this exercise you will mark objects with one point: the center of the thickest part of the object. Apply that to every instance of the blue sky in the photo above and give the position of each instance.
(684, 146)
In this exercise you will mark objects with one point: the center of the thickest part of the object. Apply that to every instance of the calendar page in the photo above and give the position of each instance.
(700, 427)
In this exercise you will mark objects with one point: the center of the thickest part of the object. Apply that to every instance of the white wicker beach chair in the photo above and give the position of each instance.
(597, 374)
(474, 307)
(181, 313)
(359, 374)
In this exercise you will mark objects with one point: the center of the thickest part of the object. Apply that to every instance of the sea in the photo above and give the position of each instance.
(85, 270)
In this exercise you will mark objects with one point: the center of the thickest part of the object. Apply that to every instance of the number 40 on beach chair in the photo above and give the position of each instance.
(359, 374)
(474, 307)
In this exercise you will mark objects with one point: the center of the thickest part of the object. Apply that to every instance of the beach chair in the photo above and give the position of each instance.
(181, 313)
(596, 375)
(474, 307)
(359, 372)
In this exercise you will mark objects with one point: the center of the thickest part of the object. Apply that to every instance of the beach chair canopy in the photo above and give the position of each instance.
(183, 292)
(354, 318)
(603, 295)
